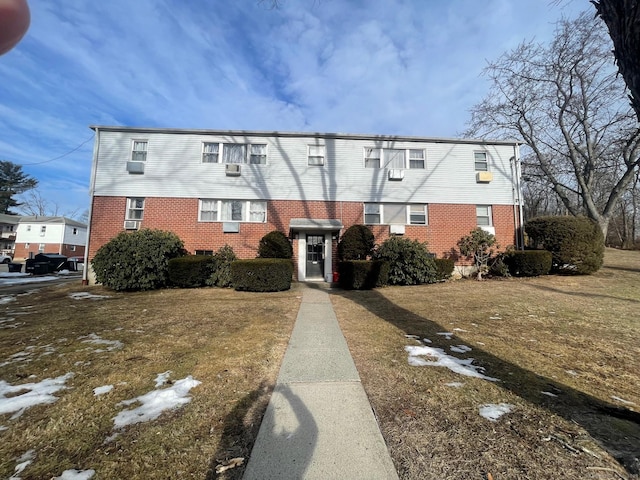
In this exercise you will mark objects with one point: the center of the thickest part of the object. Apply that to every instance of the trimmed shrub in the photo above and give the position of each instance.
(137, 260)
(444, 268)
(410, 263)
(190, 271)
(275, 245)
(529, 263)
(576, 243)
(363, 274)
(479, 246)
(262, 274)
(220, 268)
(357, 243)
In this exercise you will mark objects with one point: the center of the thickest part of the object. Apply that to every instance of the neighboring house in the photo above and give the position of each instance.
(60, 235)
(8, 228)
(232, 187)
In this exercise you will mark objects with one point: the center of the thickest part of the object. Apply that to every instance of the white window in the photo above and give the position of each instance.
(416, 158)
(394, 213)
(28, 228)
(43, 230)
(393, 158)
(371, 157)
(234, 153)
(258, 154)
(41, 247)
(208, 210)
(72, 248)
(212, 210)
(258, 212)
(316, 155)
(210, 152)
(418, 214)
(27, 245)
(372, 213)
(483, 215)
(139, 151)
(481, 162)
(135, 208)
(74, 231)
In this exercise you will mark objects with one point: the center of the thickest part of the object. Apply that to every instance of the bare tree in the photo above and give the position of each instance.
(565, 101)
(33, 203)
(623, 21)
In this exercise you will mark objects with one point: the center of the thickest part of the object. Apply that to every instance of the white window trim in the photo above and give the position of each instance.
(489, 215)
(407, 158)
(246, 210)
(133, 150)
(486, 160)
(265, 155)
(425, 210)
(130, 200)
(407, 207)
(247, 152)
(321, 157)
(204, 152)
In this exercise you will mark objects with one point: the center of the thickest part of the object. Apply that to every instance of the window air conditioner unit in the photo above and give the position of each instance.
(396, 229)
(232, 170)
(396, 174)
(484, 177)
(131, 225)
(135, 167)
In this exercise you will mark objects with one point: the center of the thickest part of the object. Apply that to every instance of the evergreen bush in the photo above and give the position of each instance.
(410, 263)
(220, 268)
(357, 243)
(136, 260)
(529, 263)
(479, 246)
(275, 245)
(576, 243)
(444, 268)
(190, 271)
(262, 274)
(363, 274)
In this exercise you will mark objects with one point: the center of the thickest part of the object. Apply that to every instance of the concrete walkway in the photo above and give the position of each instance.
(319, 423)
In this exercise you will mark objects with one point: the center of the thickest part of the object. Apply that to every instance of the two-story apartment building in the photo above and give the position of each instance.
(215, 187)
(8, 230)
(40, 234)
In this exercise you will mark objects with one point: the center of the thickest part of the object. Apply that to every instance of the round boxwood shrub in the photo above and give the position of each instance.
(529, 263)
(410, 263)
(262, 274)
(275, 245)
(220, 269)
(137, 260)
(576, 243)
(357, 243)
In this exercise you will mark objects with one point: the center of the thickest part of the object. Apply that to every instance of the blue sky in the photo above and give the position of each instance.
(359, 66)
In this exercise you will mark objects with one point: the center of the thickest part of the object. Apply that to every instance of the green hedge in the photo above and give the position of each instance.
(275, 244)
(444, 268)
(262, 274)
(191, 271)
(529, 263)
(576, 243)
(357, 243)
(220, 272)
(363, 274)
(410, 263)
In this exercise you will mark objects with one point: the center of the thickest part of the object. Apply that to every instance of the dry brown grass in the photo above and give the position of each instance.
(576, 337)
(230, 341)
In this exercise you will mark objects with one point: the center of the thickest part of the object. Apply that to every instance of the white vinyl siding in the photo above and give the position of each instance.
(315, 155)
(481, 162)
(212, 210)
(135, 209)
(139, 151)
(483, 215)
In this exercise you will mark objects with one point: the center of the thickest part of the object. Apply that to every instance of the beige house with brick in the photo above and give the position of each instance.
(215, 187)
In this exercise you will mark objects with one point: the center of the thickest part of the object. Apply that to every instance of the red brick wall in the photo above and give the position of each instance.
(447, 223)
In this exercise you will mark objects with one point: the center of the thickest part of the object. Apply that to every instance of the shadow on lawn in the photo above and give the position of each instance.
(619, 435)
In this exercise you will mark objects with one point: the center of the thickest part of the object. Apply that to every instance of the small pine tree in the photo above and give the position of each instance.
(479, 246)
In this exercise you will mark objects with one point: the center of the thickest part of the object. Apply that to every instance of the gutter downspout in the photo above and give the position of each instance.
(517, 207)
(92, 186)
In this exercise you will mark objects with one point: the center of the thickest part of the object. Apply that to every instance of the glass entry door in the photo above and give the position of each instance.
(315, 256)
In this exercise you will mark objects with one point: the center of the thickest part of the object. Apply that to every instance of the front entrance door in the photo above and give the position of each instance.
(315, 256)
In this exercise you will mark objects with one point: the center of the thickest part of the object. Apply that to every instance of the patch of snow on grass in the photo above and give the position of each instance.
(74, 474)
(460, 330)
(162, 378)
(572, 372)
(549, 394)
(442, 359)
(156, 402)
(32, 394)
(493, 411)
(102, 390)
(460, 349)
(87, 296)
(16, 279)
(95, 339)
(7, 299)
(446, 335)
(24, 461)
(622, 400)
(454, 384)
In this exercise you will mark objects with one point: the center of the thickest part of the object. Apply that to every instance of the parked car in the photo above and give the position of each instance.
(5, 258)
